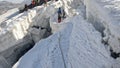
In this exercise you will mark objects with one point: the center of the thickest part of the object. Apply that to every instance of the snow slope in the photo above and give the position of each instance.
(8, 15)
(77, 45)
(8, 10)
(14, 29)
(74, 44)
(5, 6)
(14, 1)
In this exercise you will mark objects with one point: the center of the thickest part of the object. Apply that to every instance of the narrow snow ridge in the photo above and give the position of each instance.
(78, 45)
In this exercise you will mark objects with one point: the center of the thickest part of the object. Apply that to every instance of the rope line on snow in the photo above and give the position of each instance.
(61, 50)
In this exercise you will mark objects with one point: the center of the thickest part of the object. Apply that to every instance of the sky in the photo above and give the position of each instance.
(13, 1)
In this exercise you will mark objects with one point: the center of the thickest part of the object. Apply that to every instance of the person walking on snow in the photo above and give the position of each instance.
(25, 7)
(59, 15)
(63, 14)
(38, 2)
(33, 3)
(45, 1)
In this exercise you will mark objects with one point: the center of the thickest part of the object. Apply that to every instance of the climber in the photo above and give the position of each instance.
(59, 11)
(63, 14)
(59, 15)
(38, 2)
(33, 3)
(59, 18)
(45, 2)
(25, 7)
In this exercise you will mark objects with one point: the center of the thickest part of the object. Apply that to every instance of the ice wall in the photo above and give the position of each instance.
(14, 38)
(42, 20)
(104, 15)
(15, 29)
(17, 34)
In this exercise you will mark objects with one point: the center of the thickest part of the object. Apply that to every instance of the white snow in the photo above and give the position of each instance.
(14, 29)
(6, 6)
(104, 15)
(9, 14)
(13, 1)
(75, 43)
(17, 27)
(28, 2)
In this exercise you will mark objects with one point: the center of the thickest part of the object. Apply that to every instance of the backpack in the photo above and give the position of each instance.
(59, 11)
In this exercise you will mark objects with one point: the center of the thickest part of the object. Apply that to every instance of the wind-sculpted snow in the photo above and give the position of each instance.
(77, 45)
